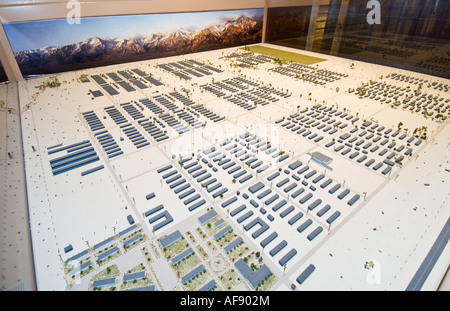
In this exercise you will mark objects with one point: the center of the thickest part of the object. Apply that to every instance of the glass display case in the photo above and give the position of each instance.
(411, 35)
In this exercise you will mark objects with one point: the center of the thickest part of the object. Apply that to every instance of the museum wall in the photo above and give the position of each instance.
(28, 10)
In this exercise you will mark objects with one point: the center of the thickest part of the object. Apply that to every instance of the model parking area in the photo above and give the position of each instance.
(228, 170)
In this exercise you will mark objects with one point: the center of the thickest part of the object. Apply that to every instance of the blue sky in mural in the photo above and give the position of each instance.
(36, 34)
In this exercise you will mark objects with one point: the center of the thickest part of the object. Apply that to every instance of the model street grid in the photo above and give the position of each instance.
(315, 181)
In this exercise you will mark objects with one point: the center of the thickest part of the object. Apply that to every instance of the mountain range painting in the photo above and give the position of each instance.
(46, 47)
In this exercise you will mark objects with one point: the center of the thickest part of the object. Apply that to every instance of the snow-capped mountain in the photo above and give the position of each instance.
(96, 51)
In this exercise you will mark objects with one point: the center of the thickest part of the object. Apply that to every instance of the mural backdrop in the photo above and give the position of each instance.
(51, 46)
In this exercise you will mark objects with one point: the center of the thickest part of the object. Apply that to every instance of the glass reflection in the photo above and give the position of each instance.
(412, 35)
